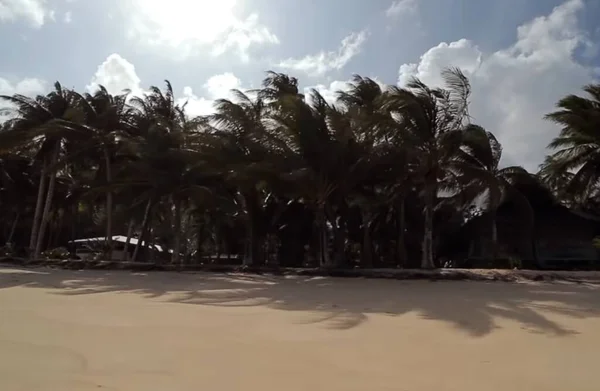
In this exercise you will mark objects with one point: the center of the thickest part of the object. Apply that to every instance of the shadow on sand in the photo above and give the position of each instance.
(337, 303)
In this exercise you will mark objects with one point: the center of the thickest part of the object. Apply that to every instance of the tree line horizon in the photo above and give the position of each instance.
(377, 178)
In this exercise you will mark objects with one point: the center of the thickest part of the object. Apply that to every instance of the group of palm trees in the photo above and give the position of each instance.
(373, 179)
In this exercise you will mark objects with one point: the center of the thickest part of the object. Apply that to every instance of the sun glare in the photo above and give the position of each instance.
(176, 21)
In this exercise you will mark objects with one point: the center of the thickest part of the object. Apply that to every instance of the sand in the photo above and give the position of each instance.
(96, 330)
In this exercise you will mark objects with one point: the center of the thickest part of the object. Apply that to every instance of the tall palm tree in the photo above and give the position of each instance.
(431, 121)
(576, 149)
(478, 174)
(557, 181)
(107, 124)
(41, 121)
(236, 143)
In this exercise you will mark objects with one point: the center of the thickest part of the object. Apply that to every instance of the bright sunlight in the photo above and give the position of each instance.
(176, 21)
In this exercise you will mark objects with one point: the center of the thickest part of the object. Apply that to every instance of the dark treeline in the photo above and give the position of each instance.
(381, 178)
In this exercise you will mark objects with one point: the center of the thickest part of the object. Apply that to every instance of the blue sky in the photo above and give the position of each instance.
(521, 55)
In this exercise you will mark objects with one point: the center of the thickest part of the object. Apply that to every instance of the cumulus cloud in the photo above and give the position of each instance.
(28, 87)
(401, 7)
(35, 12)
(116, 74)
(219, 86)
(323, 62)
(328, 92)
(185, 25)
(515, 87)
(195, 105)
(216, 87)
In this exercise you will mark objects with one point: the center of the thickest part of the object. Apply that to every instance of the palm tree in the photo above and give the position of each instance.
(41, 121)
(557, 181)
(478, 174)
(576, 149)
(236, 143)
(431, 121)
(107, 124)
(16, 189)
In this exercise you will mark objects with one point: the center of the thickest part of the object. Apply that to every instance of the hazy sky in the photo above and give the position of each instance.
(521, 55)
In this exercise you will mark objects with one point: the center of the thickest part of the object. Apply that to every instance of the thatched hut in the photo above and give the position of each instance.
(534, 230)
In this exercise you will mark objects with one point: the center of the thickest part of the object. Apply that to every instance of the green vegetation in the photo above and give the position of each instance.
(377, 179)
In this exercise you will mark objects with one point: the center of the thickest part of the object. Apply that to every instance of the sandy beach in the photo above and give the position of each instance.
(64, 330)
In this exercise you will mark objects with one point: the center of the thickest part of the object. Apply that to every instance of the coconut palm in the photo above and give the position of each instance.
(576, 149)
(236, 143)
(41, 121)
(431, 121)
(107, 123)
(477, 171)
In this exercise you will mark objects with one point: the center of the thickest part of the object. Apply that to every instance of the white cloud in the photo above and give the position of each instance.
(515, 87)
(321, 63)
(186, 24)
(68, 17)
(401, 7)
(33, 11)
(219, 86)
(116, 74)
(28, 87)
(195, 105)
(328, 92)
(241, 38)
(216, 87)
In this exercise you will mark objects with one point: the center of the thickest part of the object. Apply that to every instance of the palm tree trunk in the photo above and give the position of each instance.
(255, 238)
(427, 249)
(186, 238)
(149, 244)
(38, 210)
(48, 203)
(400, 244)
(339, 236)
(199, 241)
(494, 238)
(177, 233)
(60, 224)
(366, 253)
(217, 249)
(143, 230)
(125, 255)
(109, 204)
(13, 228)
(322, 250)
(254, 253)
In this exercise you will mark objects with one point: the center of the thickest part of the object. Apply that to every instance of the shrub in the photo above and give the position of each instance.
(56, 253)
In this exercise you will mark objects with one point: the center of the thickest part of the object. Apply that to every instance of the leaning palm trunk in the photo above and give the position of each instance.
(400, 244)
(322, 250)
(13, 227)
(109, 205)
(427, 250)
(177, 233)
(339, 237)
(199, 242)
(125, 255)
(366, 257)
(48, 204)
(253, 251)
(255, 234)
(38, 210)
(494, 238)
(143, 230)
